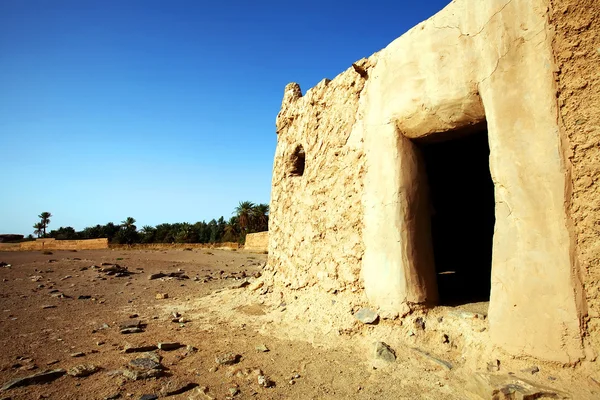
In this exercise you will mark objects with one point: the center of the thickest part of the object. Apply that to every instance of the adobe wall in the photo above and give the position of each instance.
(576, 43)
(257, 242)
(52, 244)
(356, 218)
(315, 220)
(171, 246)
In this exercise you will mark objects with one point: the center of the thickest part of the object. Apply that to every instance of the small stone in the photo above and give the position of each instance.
(234, 391)
(41, 377)
(531, 370)
(133, 316)
(77, 354)
(156, 276)
(48, 306)
(264, 381)
(262, 348)
(493, 366)
(128, 331)
(149, 397)
(52, 362)
(139, 375)
(384, 352)
(83, 370)
(174, 387)
(144, 364)
(168, 346)
(228, 359)
(138, 349)
(366, 316)
(161, 296)
(130, 324)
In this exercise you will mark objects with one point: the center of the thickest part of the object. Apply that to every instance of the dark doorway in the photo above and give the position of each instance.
(462, 216)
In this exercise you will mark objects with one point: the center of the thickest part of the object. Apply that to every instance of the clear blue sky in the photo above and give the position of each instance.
(162, 110)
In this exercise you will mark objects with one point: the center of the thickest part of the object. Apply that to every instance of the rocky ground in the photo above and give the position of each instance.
(203, 324)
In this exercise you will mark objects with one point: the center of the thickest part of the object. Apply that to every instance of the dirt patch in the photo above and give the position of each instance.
(68, 315)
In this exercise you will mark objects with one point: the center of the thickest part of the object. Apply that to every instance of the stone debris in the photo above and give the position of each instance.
(143, 368)
(262, 348)
(531, 370)
(48, 306)
(158, 275)
(493, 366)
(265, 381)
(41, 377)
(77, 354)
(144, 364)
(114, 270)
(4, 265)
(168, 346)
(384, 352)
(128, 331)
(228, 359)
(443, 363)
(366, 316)
(83, 370)
(149, 397)
(130, 324)
(493, 386)
(161, 296)
(139, 349)
(175, 387)
(234, 390)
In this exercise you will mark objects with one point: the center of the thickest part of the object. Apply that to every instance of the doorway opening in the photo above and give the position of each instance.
(461, 194)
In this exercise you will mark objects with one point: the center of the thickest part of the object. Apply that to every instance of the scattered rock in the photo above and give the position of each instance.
(52, 362)
(135, 375)
(84, 297)
(419, 323)
(48, 306)
(78, 354)
(138, 349)
(168, 346)
(493, 386)
(493, 366)
(83, 370)
(127, 331)
(133, 316)
(149, 397)
(228, 359)
(160, 296)
(262, 348)
(445, 364)
(144, 364)
(156, 276)
(265, 381)
(366, 316)
(233, 391)
(41, 377)
(384, 352)
(130, 324)
(174, 387)
(153, 355)
(531, 370)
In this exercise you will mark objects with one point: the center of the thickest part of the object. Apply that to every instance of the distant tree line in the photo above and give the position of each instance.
(248, 218)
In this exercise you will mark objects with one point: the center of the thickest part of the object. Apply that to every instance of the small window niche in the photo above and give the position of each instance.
(297, 162)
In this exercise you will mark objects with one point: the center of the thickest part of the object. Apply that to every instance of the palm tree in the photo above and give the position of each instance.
(260, 214)
(129, 223)
(39, 229)
(45, 220)
(244, 212)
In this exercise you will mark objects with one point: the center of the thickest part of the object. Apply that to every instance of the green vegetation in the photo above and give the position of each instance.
(248, 218)
(40, 227)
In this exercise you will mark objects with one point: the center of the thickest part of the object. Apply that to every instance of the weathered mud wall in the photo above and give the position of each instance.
(258, 242)
(576, 43)
(171, 246)
(316, 215)
(52, 244)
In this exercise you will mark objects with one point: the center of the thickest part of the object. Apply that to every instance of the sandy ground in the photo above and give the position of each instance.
(315, 351)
